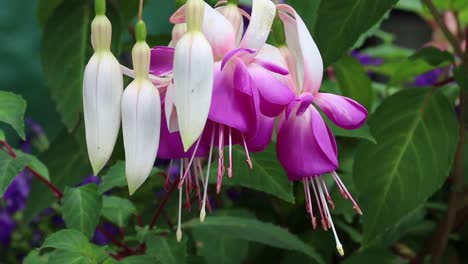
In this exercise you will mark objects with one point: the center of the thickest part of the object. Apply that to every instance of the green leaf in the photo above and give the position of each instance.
(81, 208)
(9, 168)
(353, 81)
(64, 51)
(254, 231)
(35, 164)
(433, 56)
(62, 256)
(2, 135)
(348, 19)
(12, 108)
(219, 248)
(461, 77)
(362, 132)
(68, 240)
(117, 210)
(114, 177)
(266, 176)
(374, 255)
(68, 165)
(144, 259)
(45, 8)
(308, 10)
(34, 258)
(416, 133)
(167, 250)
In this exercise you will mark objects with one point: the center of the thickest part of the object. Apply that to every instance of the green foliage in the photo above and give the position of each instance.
(167, 250)
(117, 210)
(9, 168)
(410, 161)
(433, 56)
(461, 77)
(114, 177)
(255, 231)
(12, 108)
(353, 81)
(81, 208)
(267, 176)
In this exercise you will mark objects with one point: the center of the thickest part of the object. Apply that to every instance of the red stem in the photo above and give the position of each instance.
(163, 204)
(114, 240)
(58, 194)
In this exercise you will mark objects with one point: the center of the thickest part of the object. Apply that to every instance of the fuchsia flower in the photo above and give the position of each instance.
(302, 128)
(247, 90)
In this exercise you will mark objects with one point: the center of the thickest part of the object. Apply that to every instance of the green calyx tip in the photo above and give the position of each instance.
(100, 7)
(140, 31)
(233, 2)
(180, 3)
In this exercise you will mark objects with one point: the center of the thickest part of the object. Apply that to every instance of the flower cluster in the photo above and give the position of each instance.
(218, 84)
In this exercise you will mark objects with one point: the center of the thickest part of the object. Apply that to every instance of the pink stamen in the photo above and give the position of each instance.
(319, 205)
(249, 161)
(197, 184)
(190, 163)
(355, 205)
(230, 154)
(310, 209)
(221, 159)
(245, 14)
(330, 201)
(338, 184)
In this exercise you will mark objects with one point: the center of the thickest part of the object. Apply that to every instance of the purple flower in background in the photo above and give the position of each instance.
(366, 59)
(91, 179)
(17, 193)
(7, 226)
(429, 78)
(100, 239)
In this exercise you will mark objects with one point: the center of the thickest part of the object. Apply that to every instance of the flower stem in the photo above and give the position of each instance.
(140, 10)
(58, 194)
(163, 204)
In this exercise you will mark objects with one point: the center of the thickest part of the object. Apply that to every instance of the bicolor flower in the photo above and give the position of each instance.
(102, 92)
(141, 116)
(302, 126)
(193, 76)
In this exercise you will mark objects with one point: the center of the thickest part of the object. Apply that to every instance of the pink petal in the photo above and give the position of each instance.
(343, 111)
(162, 60)
(274, 95)
(305, 145)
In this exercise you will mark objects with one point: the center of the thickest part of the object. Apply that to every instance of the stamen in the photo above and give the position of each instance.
(348, 194)
(330, 201)
(339, 247)
(221, 158)
(179, 231)
(310, 209)
(187, 190)
(249, 161)
(319, 205)
(190, 163)
(202, 211)
(342, 191)
(230, 154)
(168, 176)
(196, 180)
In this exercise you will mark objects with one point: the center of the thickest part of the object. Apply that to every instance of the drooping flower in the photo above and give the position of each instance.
(246, 94)
(302, 126)
(102, 92)
(193, 76)
(141, 116)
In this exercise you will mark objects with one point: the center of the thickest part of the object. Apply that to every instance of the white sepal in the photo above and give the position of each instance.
(102, 92)
(141, 124)
(193, 85)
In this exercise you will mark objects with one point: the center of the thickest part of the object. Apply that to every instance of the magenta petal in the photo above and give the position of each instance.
(305, 145)
(232, 53)
(162, 60)
(274, 95)
(170, 144)
(263, 134)
(230, 106)
(242, 80)
(272, 67)
(343, 111)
